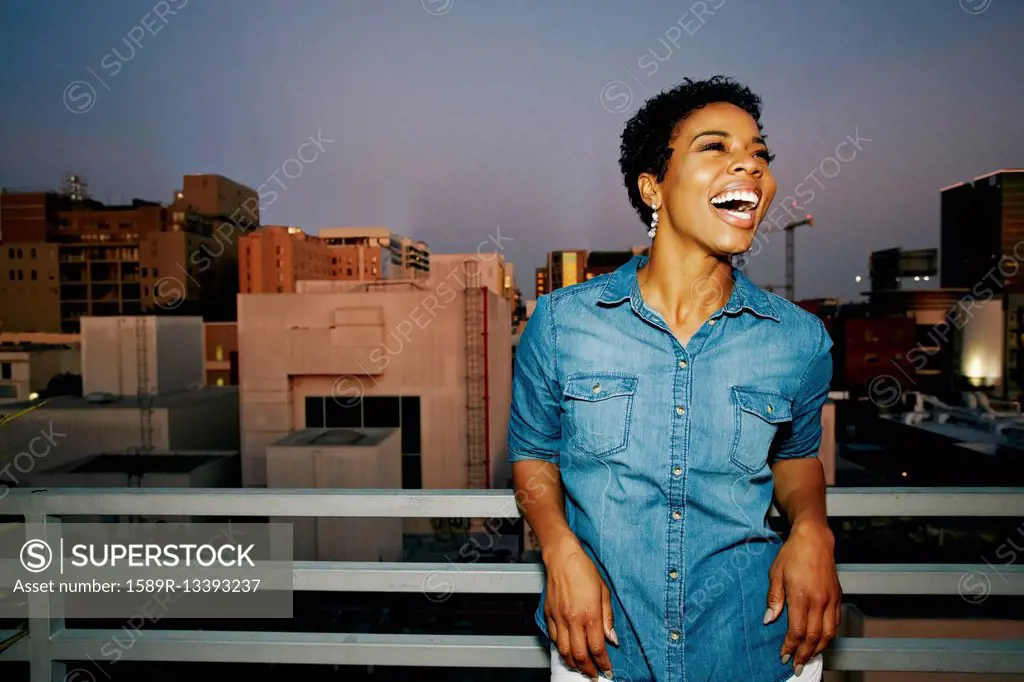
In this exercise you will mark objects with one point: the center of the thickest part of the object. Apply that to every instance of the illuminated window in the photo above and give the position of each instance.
(569, 269)
(220, 381)
(219, 353)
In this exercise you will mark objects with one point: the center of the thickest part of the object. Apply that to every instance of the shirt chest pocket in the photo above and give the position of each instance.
(760, 415)
(598, 410)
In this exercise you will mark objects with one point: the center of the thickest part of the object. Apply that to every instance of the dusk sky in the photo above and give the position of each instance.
(450, 118)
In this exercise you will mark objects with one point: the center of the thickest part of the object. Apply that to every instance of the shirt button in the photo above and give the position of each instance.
(682, 364)
(680, 410)
(674, 635)
(712, 322)
(678, 471)
(673, 574)
(597, 388)
(676, 515)
(770, 409)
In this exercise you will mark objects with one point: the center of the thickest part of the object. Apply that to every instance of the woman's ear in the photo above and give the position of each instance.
(648, 189)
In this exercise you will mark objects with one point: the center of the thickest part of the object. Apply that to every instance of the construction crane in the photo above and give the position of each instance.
(790, 287)
(791, 254)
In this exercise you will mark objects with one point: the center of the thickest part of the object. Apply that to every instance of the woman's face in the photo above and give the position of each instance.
(718, 186)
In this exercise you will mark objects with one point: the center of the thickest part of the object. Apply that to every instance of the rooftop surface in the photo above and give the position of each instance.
(130, 402)
(31, 347)
(169, 463)
(336, 437)
(960, 432)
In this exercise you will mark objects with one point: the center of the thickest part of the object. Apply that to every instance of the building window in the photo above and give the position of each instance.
(401, 412)
(10, 253)
(280, 289)
(5, 370)
(219, 353)
(156, 273)
(33, 275)
(32, 253)
(10, 274)
(349, 272)
(220, 381)
(21, 275)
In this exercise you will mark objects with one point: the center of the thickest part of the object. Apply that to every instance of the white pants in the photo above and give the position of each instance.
(560, 672)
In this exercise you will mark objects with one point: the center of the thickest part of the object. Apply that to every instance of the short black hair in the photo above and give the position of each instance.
(646, 137)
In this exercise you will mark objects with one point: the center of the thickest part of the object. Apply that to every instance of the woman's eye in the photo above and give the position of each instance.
(766, 155)
(717, 146)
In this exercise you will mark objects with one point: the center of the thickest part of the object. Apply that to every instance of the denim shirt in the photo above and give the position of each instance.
(664, 453)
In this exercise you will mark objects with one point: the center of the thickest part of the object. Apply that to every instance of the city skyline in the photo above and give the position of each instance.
(473, 117)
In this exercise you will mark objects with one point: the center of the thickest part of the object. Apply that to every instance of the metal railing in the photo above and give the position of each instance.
(50, 647)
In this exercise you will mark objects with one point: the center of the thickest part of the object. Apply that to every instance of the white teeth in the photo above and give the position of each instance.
(743, 195)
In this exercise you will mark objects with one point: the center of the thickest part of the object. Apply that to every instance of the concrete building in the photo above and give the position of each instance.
(219, 198)
(183, 469)
(603, 262)
(340, 458)
(540, 283)
(221, 350)
(432, 361)
(480, 269)
(1013, 364)
(983, 223)
(168, 351)
(361, 249)
(473, 270)
(273, 258)
(200, 419)
(565, 268)
(29, 361)
(159, 357)
(63, 259)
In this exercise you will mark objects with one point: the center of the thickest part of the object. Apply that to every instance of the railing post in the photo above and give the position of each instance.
(45, 610)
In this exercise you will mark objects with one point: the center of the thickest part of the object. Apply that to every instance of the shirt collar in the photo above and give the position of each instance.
(623, 285)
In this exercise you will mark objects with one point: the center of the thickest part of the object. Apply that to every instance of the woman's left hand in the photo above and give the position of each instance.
(804, 578)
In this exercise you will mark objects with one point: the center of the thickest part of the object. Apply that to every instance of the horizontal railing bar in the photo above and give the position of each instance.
(975, 582)
(926, 655)
(470, 651)
(367, 503)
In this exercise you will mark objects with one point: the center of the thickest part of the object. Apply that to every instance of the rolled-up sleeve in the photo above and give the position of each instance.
(804, 438)
(535, 424)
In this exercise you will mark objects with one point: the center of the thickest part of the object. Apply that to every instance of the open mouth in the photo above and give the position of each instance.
(738, 203)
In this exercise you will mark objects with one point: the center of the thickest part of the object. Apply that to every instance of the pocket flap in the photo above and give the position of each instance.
(769, 405)
(599, 386)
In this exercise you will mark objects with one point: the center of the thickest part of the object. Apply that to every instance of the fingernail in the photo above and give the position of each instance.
(768, 615)
(798, 669)
(615, 638)
(785, 658)
(608, 674)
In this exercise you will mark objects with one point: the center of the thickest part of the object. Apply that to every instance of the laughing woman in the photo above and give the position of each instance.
(655, 412)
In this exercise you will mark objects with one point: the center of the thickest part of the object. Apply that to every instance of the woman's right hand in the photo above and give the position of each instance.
(578, 609)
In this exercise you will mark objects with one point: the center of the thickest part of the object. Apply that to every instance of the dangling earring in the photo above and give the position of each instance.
(654, 222)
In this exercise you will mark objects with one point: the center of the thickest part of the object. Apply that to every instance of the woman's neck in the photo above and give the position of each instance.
(684, 283)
